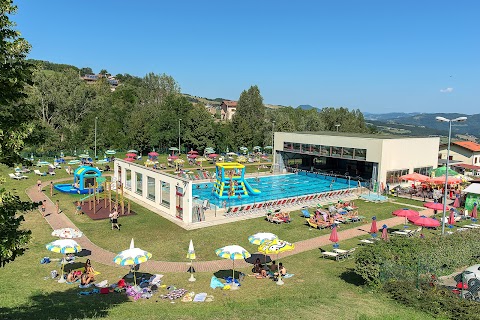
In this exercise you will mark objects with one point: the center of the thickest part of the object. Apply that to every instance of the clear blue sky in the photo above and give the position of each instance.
(378, 56)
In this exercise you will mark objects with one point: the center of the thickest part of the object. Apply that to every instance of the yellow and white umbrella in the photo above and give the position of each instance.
(276, 246)
(233, 252)
(261, 238)
(241, 159)
(191, 256)
(64, 246)
(201, 160)
(132, 257)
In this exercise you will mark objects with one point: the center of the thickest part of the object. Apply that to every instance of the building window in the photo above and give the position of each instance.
(128, 179)
(296, 147)
(317, 149)
(336, 151)
(360, 154)
(423, 170)
(325, 151)
(165, 194)
(150, 188)
(306, 148)
(139, 183)
(347, 153)
(394, 175)
(450, 158)
(287, 146)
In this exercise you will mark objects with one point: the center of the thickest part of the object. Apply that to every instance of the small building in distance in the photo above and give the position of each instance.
(467, 152)
(228, 109)
(92, 78)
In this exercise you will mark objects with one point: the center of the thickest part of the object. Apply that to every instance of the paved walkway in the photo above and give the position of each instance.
(103, 256)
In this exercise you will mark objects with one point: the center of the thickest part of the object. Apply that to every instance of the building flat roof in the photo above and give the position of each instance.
(356, 135)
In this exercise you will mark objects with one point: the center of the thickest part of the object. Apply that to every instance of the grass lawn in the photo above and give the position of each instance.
(320, 289)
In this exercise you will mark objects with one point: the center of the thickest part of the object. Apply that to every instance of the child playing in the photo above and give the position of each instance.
(44, 207)
(57, 207)
(79, 208)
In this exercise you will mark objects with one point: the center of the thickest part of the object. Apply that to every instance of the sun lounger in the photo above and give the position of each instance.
(37, 172)
(366, 241)
(14, 176)
(471, 226)
(406, 233)
(334, 255)
(305, 213)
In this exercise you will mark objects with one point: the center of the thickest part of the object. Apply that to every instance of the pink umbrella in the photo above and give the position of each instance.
(373, 228)
(192, 152)
(334, 234)
(474, 211)
(153, 154)
(407, 213)
(212, 155)
(192, 156)
(129, 159)
(172, 157)
(451, 218)
(131, 155)
(414, 177)
(384, 232)
(456, 203)
(435, 205)
(425, 222)
(441, 180)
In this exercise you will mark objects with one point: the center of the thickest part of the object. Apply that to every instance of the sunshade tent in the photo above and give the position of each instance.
(233, 252)
(425, 222)
(414, 177)
(405, 212)
(64, 246)
(132, 151)
(132, 257)
(441, 172)
(261, 238)
(276, 246)
(441, 180)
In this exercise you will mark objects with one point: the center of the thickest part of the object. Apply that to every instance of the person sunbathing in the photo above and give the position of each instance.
(257, 268)
(89, 271)
(73, 276)
(85, 279)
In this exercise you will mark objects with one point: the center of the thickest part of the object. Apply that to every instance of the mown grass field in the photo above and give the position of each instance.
(320, 289)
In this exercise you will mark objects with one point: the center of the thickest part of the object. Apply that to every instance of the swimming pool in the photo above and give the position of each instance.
(277, 187)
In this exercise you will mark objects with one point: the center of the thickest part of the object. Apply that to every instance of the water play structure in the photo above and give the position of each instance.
(84, 179)
(230, 181)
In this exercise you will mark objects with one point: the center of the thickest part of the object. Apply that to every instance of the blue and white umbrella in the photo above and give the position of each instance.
(233, 252)
(132, 257)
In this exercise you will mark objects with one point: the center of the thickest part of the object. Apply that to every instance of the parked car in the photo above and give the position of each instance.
(471, 275)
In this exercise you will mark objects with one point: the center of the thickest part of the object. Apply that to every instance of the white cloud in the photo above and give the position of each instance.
(446, 90)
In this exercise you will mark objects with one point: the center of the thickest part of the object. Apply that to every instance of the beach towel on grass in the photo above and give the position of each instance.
(288, 275)
(200, 297)
(215, 283)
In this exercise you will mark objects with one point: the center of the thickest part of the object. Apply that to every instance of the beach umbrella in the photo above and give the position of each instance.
(260, 238)
(276, 246)
(193, 156)
(268, 147)
(67, 233)
(451, 217)
(179, 161)
(83, 155)
(384, 232)
(129, 159)
(110, 152)
(434, 205)
(233, 252)
(201, 159)
(132, 257)
(64, 246)
(173, 149)
(373, 228)
(153, 154)
(191, 256)
(241, 159)
(425, 222)
(441, 180)
(474, 211)
(192, 152)
(132, 151)
(131, 155)
(231, 154)
(414, 177)
(172, 157)
(405, 212)
(73, 162)
(212, 155)
(334, 236)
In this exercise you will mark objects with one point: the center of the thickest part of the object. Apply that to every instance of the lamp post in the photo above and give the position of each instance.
(273, 146)
(179, 135)
(337, 125)
(442, 119)
(96, 118)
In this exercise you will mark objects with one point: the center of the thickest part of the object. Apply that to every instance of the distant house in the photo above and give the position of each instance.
(92, 78)
(228, 109)
(467, 152)
(211, 109)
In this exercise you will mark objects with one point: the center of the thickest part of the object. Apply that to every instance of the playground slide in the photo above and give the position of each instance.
(250, 189)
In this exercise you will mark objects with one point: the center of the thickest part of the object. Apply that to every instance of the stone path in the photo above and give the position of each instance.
(103, 256)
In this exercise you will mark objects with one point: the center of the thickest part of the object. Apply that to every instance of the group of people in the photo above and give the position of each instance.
(266, 271)
(85, 277)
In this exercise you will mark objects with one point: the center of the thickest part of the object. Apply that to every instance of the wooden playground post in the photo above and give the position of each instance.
(116, 193)
(110, 195)
(94, 198)
(89, 198)
(105, 194)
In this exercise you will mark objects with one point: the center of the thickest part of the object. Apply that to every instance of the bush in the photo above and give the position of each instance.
(434, 301)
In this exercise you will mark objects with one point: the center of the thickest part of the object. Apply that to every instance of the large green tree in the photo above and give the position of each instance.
(15, 127)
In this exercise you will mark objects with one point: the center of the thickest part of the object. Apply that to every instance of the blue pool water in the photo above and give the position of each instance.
(276, 187)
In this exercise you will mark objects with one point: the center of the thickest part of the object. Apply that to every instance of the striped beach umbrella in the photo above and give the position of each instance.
(233, 252)
(132, 257)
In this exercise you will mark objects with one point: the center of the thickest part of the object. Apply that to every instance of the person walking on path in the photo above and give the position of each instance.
(57, 207)
(114, 219)
(51, 188)
(39, 185)
(44, 207)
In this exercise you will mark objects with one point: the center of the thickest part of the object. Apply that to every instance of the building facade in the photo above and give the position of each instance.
(228, 109)
(371, 157)
(467, 152)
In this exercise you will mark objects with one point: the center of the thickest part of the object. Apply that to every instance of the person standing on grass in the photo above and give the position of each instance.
(51, 188)
(57, 206)
(44, 207)
(79, 208)
(114, 219)
(39, 185)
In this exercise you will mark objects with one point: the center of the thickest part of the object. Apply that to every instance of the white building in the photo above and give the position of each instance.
(382, 158)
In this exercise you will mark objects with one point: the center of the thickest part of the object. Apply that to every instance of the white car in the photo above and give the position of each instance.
(471, 275)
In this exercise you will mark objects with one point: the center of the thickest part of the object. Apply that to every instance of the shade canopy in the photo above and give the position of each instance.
(233, 252)
(441, 172)
(414, 177)
(441, 180)
(435, 205)
(132, 256)
(64, 246)
(425, 222)
(261, 237)
(405, 213)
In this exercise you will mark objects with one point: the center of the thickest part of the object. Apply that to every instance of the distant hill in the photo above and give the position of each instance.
(306, 107)
(387, 116)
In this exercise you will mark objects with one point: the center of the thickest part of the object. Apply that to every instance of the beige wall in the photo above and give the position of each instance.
(390, 154)
(169, 210)
(460, 154)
